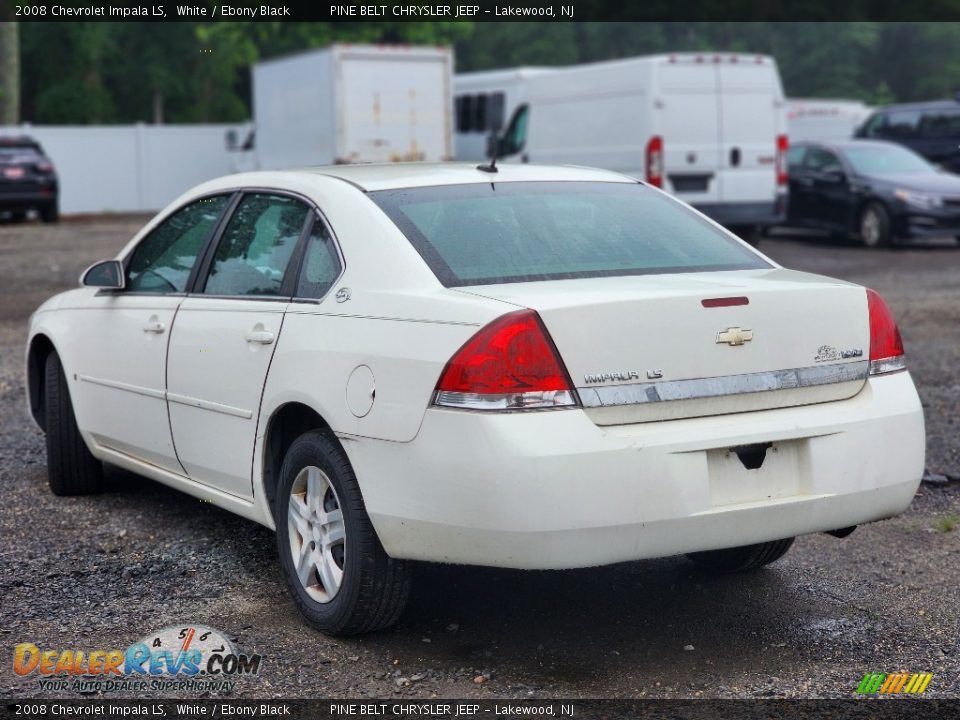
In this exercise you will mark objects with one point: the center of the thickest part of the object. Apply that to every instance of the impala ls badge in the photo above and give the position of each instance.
(734, 336)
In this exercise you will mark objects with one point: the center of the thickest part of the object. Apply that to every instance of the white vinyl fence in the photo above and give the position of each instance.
(131, 168)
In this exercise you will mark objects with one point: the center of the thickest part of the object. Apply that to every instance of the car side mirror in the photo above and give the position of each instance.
(105, 274)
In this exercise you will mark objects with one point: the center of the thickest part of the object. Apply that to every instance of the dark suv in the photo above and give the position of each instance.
(28, 180)
(930, 129)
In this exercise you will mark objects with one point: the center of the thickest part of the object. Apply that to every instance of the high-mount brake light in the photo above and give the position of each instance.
(886, 346)
(510, 364)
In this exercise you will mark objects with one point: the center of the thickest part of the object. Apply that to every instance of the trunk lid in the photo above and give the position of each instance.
(645, 348)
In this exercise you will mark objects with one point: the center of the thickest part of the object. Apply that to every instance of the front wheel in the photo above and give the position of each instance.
(742, 559)
(71, 468)
(338, 573)
(875, 228)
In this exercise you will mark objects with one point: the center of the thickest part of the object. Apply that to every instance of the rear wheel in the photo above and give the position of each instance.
(742, 559)
(875, 229)
(338, 573)
(71, 468)
(50, 213)
(18, 216)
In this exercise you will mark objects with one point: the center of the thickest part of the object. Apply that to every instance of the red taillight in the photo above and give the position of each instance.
(654, 164)
(782, 146)
(886, 347)
(511, 364)
(44, 167)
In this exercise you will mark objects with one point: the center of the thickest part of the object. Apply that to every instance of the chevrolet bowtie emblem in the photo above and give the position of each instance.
(734, 336)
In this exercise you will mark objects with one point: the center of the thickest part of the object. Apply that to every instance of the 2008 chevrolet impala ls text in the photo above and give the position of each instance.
(528, 368)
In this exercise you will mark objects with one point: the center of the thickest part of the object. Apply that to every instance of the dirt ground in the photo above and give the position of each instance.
(101, 572)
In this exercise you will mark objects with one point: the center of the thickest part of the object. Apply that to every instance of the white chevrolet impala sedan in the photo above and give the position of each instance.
(530, 368)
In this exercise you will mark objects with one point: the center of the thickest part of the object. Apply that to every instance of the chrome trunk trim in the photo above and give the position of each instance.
(638, 393)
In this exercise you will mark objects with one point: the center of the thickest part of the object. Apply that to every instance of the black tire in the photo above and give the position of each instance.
(18, 216)
(71, 468)
(373, 588)
(742, 559)
(875, 227)
(751, 234)
(50, 213)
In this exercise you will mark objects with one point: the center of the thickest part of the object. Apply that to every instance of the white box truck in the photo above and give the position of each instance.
(709, 128)
(483, 102)
(821, 119)
(353, 104)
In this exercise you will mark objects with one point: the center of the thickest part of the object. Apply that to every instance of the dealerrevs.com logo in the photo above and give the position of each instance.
(190, 658)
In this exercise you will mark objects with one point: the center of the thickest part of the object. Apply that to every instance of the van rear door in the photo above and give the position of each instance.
(688, 113)
(751, 118)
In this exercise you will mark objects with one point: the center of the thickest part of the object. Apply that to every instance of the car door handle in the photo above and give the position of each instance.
(260, 337)
(805, 181)
(154, 326)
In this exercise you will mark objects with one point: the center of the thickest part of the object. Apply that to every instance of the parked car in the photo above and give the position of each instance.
(879, 191)
(523, 367)
(931, 129)
(28, 180)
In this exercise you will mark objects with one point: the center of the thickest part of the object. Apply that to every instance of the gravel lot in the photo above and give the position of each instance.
(101, 572)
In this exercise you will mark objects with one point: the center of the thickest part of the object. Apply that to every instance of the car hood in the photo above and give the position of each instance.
(938, 183)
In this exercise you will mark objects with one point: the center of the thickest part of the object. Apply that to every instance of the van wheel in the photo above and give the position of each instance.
(742, 559)
(340, 577)
(71, 468)
(875, 228)
(750, 234)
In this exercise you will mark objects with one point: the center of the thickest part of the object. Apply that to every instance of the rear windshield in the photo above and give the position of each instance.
(527, 231)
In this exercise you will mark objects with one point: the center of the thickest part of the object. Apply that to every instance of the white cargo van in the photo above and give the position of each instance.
(353, 104)
(709, 128)
(815, 119)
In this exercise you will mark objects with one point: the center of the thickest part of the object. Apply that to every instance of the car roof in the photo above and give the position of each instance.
(391, 176)
(844, 143)
(926, 105)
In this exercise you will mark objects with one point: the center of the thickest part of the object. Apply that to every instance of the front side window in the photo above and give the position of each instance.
(887, 160)
(162, 262)
(526, 231)
(795, 157)
(820, 160)
(256, 246)
(321, 265)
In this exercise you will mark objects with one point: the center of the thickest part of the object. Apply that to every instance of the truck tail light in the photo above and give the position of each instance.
(886, 347)
(654, 161)
(510, 364)
(783, 144)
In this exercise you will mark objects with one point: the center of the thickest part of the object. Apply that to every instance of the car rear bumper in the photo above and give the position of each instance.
(25, 198)
(553, 490)
(749, 213)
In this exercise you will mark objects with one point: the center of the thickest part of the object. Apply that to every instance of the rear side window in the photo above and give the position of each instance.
(256, 246)
(527, 231)
(321, 266)
(162, 261)
(900, 124)
(940, 124)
